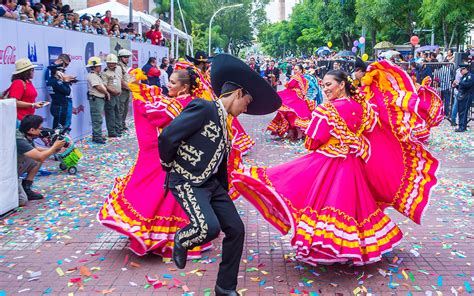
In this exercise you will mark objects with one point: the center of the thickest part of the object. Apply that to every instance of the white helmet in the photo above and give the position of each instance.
(111, 58)
(124, 53)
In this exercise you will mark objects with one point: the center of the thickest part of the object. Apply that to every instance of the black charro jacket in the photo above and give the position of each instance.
(194, 145)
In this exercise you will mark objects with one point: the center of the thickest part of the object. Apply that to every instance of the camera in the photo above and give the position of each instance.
(49, 135)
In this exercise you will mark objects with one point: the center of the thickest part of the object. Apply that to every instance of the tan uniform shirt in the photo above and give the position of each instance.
(124, 69)
(94, 79)
(112, 79)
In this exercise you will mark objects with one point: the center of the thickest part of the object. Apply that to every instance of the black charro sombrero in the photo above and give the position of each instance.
(227, 68)
(199, 57)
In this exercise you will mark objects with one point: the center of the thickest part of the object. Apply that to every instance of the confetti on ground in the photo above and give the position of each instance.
(60, 237)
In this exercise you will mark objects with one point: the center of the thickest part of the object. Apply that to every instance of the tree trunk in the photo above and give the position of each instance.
(445, 35)
(373, 37)
(452, 35)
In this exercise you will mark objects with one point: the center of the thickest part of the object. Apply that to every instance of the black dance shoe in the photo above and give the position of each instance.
(180, 254)
(223, 292)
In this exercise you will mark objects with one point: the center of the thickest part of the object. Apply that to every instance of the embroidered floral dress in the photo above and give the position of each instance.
(295, 111)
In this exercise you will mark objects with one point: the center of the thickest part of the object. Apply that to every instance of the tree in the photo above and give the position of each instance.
(453, 16)
(232, 29)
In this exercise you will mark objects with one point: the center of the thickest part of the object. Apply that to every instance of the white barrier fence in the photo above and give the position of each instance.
(42, 45)
(8, 165)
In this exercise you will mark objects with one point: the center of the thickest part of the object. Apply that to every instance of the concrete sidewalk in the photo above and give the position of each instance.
(57, 247)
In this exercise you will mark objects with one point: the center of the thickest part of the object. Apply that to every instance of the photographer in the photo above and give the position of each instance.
(60, 92)
(30, 157)
(61, 82)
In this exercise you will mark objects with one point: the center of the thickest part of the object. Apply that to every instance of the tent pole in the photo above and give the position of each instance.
(172, 27)
(130, 11)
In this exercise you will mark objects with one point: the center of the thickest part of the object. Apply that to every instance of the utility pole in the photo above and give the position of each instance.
(172, 27)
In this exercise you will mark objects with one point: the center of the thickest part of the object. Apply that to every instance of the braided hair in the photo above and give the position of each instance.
(341, 76)
(188, 76)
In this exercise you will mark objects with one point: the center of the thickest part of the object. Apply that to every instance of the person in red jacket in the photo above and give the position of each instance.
(154, 34)
(23, 90)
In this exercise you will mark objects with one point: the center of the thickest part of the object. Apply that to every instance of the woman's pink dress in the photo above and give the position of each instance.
(430, 107)
(332, 200)
(137, 207)
(242, 140)
(295, 111)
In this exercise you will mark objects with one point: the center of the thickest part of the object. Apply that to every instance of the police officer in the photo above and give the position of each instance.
(465, 96)
(124, 98)
(112, 77)
(98, 94)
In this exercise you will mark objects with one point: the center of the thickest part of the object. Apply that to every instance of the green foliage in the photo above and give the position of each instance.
(315, 22)
(232, 29)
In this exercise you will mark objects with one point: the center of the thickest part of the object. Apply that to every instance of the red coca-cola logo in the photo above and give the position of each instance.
(7, 55)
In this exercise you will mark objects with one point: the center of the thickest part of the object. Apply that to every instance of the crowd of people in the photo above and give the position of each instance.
(443, 75)
(57, 15)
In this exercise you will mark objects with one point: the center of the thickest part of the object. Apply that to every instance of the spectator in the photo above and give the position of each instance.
(96, 27)
(449, 56)
(152, 72)
(154, 34)
(165, 64)
(424, 72)
(60, 92)
(115, 31)
(67, 9)
(39, 11)
(23, 90)
(439, 55)
(84, 26)
(171, 66)
(98, 94)
(253, 65)
(29, 157)
(108, 17)
(164, 78)
(112, 77)
(63, 61)
(7, 9)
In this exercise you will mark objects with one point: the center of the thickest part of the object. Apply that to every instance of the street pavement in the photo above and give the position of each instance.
(56, 246)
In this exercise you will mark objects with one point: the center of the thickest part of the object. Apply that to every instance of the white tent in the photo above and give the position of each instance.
(121, 12)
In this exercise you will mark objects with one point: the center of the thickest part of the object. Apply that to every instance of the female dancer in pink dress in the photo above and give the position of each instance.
(332, 199)
(294, 115)
(137, 206)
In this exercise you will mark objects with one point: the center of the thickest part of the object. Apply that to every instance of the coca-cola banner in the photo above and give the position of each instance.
(42, 44)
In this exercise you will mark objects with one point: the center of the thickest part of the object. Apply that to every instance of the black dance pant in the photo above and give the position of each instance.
(210, 209)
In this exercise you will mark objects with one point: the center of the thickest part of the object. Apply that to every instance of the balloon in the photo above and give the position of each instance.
(414, 40)
(360, 45)
(365, 57)
(362, 40)
(329, 44)
(354, 49)
(356, 42)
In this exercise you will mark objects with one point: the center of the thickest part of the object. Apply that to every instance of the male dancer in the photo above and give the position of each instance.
(194, 150)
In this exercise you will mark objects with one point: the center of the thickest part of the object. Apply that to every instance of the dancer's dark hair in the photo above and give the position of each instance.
(341, 76)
